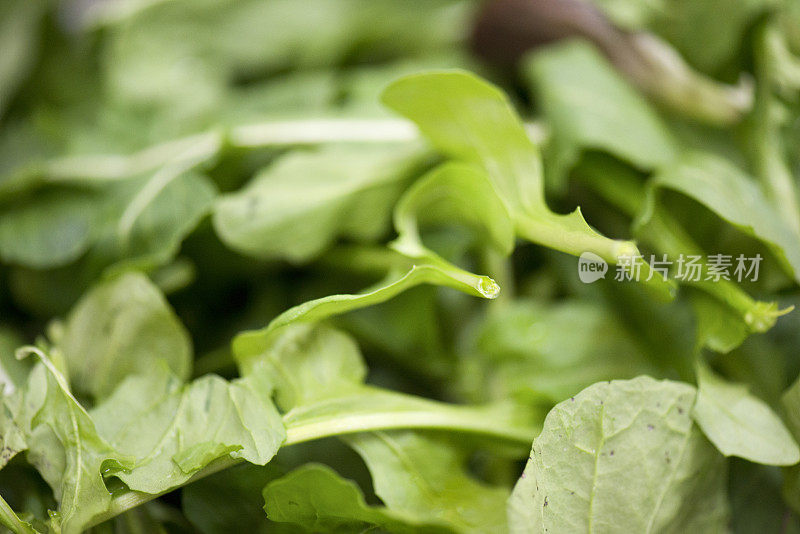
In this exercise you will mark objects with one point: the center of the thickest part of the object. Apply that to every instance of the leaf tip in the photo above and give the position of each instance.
(488, 288)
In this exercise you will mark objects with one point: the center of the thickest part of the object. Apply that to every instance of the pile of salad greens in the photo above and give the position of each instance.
(279, 266)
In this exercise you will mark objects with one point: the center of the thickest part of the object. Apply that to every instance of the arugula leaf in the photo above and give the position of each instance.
(122, 326)
(534, 352)
(470, 120)
(10, 520)
(65, 447)
(141, 219)
(730, 193)
(316, 499)
(229, 41)
(155, 219)
(590, 107)
(297, 207)
(307, 363)
(708, 47)
(449, 194)
(12, 439)
(739, 424)
(180, 429)
(432, 270)
(232, 154)
(71, 217)
(424, 475)
(718, 327)
(622, 455)
(318, 376)
(724, 322)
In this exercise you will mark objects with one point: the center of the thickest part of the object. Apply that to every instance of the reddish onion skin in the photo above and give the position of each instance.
(505, 30)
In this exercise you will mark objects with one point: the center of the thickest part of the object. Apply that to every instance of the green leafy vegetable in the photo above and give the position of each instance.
(173, 431)
(318, 375)
(334, 267)
(629, 442)
(122, 326)
(740, 424)
(730, 193)
(317, 499)
(10, 520)
(297, 207)
(470, 120)
(449, 194)
(535, 353)
(423, 476)
(142, 219)
(595, 109)
(65, 447)
(435, 272)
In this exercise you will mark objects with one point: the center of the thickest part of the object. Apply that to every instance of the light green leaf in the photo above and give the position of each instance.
(622, 456)
(589, 106)
(174, 430)
(536, 352)
(12, 439)
(11, 521)
(122, 326)
(316, 499)
(718, 327)
(140, 219)
(450, 194)
(740, 424)
(723, 323)
(470, 120)
(318, 375)
(306, 363)
(708, 46)
(297, 207)
(65, 446)
(424, 476)
(432, 270)
(734, 196)
(53, 228)
(155, 215)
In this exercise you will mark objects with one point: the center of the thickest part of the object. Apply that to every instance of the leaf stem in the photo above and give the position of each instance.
(9, 519)
(300, 430)
(203, 146)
